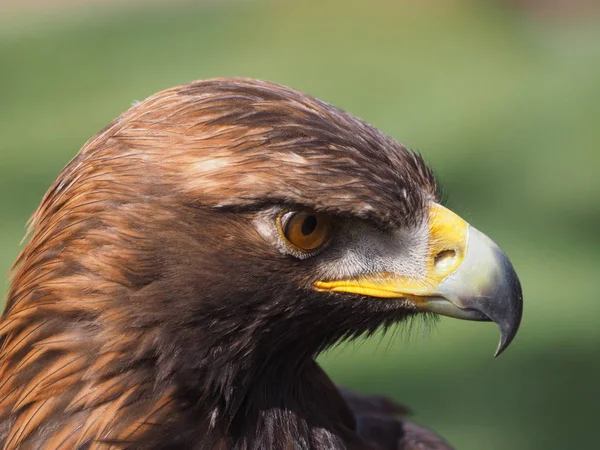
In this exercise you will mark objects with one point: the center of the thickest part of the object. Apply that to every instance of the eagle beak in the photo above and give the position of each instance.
(466, 275)
(484, 287)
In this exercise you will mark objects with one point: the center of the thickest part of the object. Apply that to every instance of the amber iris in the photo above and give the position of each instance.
(305, 230)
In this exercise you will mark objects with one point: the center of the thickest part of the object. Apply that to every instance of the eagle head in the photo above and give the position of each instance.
(190, 262)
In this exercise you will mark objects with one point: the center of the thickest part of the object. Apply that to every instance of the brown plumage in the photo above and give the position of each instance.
(148, 311)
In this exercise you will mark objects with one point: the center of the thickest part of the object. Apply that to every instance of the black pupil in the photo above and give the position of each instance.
(308, 225)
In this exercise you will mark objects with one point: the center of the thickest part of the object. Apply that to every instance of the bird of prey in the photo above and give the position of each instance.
(188, 265)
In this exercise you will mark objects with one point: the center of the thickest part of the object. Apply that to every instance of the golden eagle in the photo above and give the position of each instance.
(187, 266)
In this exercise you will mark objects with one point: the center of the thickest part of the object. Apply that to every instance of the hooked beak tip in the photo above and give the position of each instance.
(510, 326)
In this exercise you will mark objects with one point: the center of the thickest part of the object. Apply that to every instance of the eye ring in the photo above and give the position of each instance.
(304, 231)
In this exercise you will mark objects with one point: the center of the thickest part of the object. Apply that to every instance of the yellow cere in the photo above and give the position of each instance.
(448, 235)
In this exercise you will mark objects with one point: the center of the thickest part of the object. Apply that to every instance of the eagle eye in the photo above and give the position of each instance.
(306, 230)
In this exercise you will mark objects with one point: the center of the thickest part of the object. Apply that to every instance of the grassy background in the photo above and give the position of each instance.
(504, 105)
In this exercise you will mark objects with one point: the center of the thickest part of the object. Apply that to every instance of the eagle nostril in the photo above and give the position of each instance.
(445, 260)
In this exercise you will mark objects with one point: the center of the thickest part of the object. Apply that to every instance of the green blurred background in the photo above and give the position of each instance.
(502, 100)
